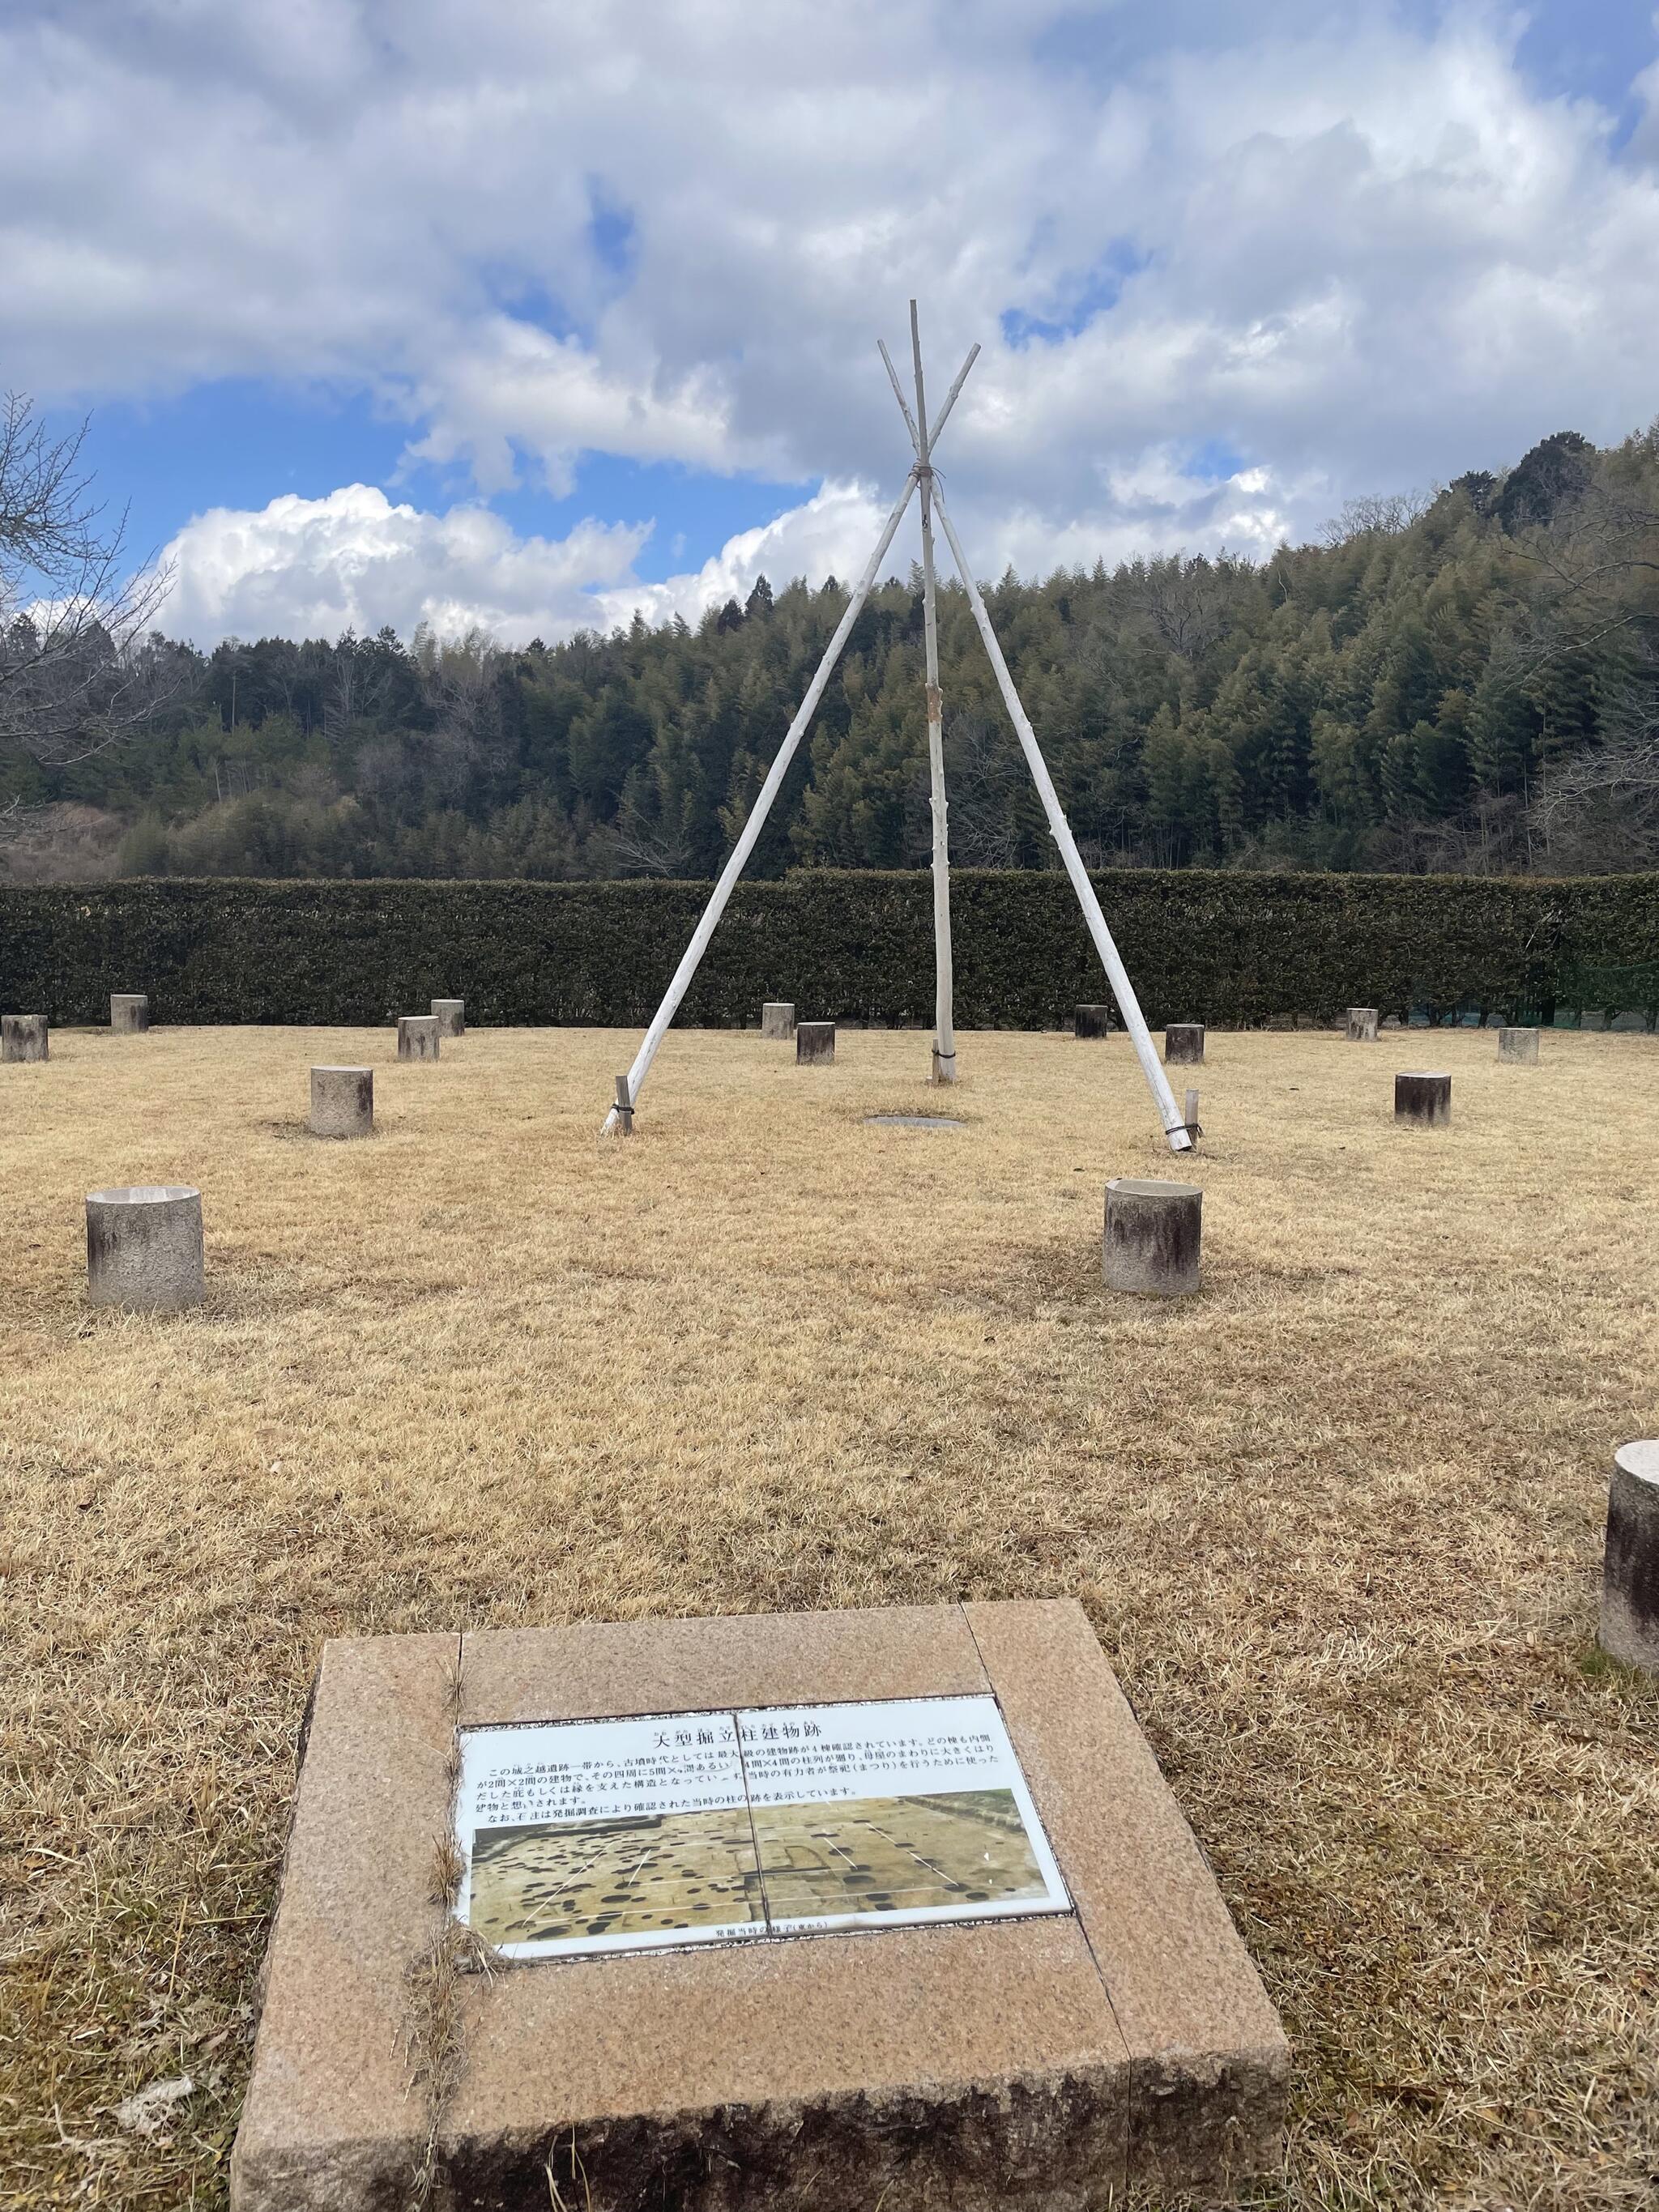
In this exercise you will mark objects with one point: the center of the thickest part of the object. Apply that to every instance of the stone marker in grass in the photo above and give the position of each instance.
(450, 1014)
(1362, 1025)
(129, 1011)
(815, 1044)
(778, 1020)
(342, 1102)
(1154, 1233)
(1518, 1045)
(1422, 1098)
(417, 1036)
(1183, 1044)
(1092, 1021)
(993, 1973)
(144, 1246)
(1630, 1565)
(24, 1036)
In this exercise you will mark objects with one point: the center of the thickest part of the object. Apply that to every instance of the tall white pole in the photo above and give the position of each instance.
(1175, 1127)
(763, 806)
(944, 1036)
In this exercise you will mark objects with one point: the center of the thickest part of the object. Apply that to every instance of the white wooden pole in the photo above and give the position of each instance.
(753, 828)
(1122, 990)
(944, 1036)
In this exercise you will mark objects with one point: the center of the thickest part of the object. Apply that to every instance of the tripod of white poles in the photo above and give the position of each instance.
(921, 477)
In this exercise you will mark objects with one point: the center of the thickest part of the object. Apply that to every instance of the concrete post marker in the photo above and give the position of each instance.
(1422, 1098)
(1362, 1025)
(342, 1102)
(737, 2006)
(1092, 1021)
(129, 1011)
(1183, 1044)
(1154, 1234)
(1520, 1046)
(24, 1036)
(778, 1020)
(1630, 1566)
(450, 1014)
(815, 1044)
(417, 1036)
(144, 1246)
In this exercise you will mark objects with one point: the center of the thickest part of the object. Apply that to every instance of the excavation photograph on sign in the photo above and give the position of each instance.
(588, 1836)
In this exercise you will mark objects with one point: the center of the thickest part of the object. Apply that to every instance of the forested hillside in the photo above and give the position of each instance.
(1465, 683)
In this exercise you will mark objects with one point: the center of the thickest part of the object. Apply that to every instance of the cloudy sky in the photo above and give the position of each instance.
(528, 311)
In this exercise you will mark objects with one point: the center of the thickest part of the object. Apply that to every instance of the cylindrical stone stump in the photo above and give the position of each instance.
(778, 1020)
(129, 1011)
(1422, 1098)
(450, 1015)
(1630, 1566)
(1154, 1233)
(1518, 1045)
(1183, 1044)
(342, 1102)
(23, 1037)
(815, 1043)
(1362, 1025)
(417, 1036)
(144, 1246)
(1091, 1021)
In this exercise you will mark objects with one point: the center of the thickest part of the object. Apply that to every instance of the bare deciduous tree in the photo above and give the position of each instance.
(987, 784)
(1186, 601)
(1380, 515)
(79, 668)
(642, 847)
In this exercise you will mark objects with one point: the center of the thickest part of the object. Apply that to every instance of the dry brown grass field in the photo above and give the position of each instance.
(1337, 1520)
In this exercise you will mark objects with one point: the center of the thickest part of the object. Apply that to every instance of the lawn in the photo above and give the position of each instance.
(1337, 1520)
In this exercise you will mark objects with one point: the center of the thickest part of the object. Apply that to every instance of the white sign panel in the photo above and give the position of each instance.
(588, 1836)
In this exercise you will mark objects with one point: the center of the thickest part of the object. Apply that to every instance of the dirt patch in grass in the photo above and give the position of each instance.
(1337, 1520)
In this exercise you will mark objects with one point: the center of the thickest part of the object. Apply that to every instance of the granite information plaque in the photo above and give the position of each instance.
(588, 1836)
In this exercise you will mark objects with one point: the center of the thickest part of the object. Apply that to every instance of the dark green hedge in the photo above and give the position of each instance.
(1230, 950)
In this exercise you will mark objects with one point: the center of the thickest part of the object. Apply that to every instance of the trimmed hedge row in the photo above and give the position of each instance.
(1230, 950)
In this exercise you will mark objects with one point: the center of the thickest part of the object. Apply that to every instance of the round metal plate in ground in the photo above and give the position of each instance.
(916, 1120)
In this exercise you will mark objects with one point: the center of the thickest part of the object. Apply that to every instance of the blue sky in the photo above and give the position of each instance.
(525, 315)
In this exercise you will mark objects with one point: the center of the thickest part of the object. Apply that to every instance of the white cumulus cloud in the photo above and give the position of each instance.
(311, 567)
(1339, 247)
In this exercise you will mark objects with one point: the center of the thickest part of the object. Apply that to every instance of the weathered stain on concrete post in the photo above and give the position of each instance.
(1424, 1098)
(144, 1246)
(450, 1014)
(23, 1037)
(1631, 1560)
(1154, 1235)
(815, 1044)
(1520, 1046)
(1362, 1025)
(1183, 1044)
(417, 1036)
(342, 1102)
(778, 1020)
(1630, 1565)
(1091, 1021)
(129, 1011)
